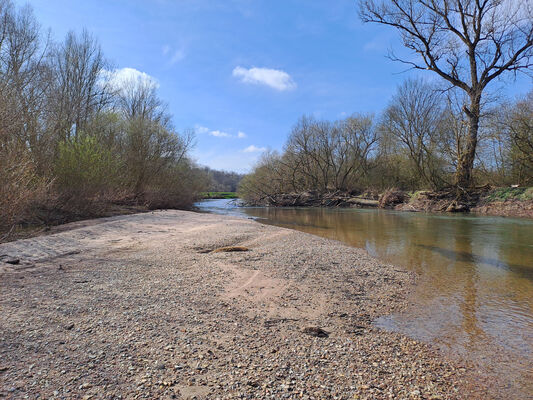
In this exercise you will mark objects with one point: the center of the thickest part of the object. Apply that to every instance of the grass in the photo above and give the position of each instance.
(502, 194)
(218, 195)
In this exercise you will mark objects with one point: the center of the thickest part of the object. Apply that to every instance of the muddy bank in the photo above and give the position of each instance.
(141, 306)
(509, 202)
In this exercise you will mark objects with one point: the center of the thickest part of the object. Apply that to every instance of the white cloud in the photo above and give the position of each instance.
(118, 79)
(254, 149)
(219, 134)
(201, 129)
(166, 49)
(228, 160)
(274, 78)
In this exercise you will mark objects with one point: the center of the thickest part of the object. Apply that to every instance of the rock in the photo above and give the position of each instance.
(12, 261)
(316, 331)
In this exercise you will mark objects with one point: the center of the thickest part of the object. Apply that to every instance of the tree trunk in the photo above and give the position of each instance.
(467, 155)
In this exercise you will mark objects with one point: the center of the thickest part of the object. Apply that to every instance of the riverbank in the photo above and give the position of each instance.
(507, 202)
(139, 306)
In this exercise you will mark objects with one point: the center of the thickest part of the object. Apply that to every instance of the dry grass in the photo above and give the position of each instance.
(21, 188)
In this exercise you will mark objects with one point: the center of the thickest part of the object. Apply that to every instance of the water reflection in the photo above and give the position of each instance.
(475, 295)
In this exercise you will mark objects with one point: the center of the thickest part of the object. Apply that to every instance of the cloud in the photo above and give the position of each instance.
(219, 134)
(227, 160)
(274, 78)
(118, 79)
(201, 129)
(173, 56)
(254, 149)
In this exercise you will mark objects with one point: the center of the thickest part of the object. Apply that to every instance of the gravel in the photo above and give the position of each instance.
(140, 306)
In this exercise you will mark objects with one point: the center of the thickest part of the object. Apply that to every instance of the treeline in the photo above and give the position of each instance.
(76, 136)
(222, 181)
(415, 143)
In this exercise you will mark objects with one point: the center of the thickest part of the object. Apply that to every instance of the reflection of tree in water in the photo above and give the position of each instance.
(458, 284)
(469, 305)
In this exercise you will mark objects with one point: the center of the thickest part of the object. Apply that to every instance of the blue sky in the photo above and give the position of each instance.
(241, 72)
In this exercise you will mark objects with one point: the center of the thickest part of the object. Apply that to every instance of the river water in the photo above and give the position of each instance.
(474, 297)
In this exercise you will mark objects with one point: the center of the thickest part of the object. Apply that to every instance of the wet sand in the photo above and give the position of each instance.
(139, 306)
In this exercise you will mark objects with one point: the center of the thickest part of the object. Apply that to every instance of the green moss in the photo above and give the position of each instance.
(502, 194)
(527, 195)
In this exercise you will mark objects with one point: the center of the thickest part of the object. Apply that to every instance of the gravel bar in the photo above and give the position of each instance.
(141, 306)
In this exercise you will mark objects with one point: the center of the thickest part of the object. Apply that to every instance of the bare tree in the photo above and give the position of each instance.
(518, 125)
(137, 98)
(150, 145)
(355, 140)
(415, 118)
(468, 43)
(22, 72)
(329, 155)
(78, 92)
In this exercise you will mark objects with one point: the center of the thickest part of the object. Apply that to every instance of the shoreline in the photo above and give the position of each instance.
(480, 203)
(138, 305)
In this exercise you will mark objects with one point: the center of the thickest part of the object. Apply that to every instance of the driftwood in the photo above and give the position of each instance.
(314, 199)
(363, 202)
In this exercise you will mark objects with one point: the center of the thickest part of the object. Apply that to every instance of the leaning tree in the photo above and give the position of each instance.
(469, 43)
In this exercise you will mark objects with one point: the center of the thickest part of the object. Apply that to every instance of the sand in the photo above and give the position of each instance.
(139, 306)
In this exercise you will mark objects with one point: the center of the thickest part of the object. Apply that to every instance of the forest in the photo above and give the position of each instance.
(413, 144)
(75, 138)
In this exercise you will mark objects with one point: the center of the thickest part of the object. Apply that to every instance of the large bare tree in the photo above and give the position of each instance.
(468, 43)
(415, 119)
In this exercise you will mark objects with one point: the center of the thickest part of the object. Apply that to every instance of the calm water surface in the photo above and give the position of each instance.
(475, 293)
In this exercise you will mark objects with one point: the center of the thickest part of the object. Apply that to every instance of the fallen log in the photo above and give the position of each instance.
(363, 202)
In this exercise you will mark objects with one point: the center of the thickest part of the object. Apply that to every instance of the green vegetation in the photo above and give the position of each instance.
(503, 194)
(75, 140)
(218, 195)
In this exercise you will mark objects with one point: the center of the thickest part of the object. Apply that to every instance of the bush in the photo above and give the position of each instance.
(21, 188)
(176, 187)
(85, 171)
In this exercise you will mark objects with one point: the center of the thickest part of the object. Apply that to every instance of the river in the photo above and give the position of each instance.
(474, 296)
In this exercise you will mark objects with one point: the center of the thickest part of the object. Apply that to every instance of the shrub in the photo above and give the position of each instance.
(85, 170)
(21, 188)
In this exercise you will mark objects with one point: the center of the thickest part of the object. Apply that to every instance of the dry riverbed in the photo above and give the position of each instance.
(139, 307)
